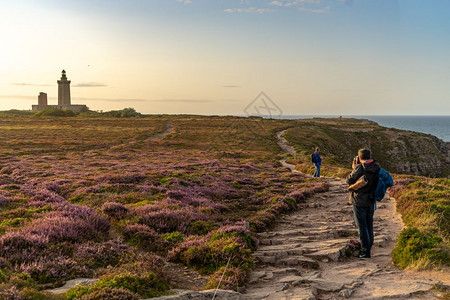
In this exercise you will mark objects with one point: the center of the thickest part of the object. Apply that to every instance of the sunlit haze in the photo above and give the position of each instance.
(214, 57)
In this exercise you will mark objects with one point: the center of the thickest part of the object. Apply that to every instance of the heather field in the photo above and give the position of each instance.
(117, 199)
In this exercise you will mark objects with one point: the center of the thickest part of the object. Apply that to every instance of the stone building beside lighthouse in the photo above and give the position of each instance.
(64, 100)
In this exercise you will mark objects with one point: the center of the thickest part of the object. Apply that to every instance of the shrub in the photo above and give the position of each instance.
(200, 227)
(143, 236)
(420, 249)
(11, 293)
(145, 285)
(166, 220)
(236, 231)
(18, 246)
(231, 280)
(114, 210)
(54, 112)
(124, 113)
(110, 294)
(174, 237)
(101, 254)
(207, 254)
(4, 201)
(52, 269)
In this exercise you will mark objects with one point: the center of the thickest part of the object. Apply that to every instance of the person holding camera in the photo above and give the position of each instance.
(362, 182)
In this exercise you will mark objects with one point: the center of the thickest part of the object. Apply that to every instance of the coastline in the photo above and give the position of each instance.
(438, 126)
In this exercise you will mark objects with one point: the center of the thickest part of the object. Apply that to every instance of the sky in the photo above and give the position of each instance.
(309, 57)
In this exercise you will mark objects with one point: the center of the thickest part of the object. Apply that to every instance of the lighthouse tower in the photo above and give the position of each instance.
(64, 91)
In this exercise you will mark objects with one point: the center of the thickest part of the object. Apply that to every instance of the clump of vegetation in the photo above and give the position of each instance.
(144, 237)
(54, 112)
(425, 207)
(123, 113)
(227, 278)
(110, 294)
(145, 285)
(419, 249)
(114, 210)
(14, 285)
(200, 227)
(15, 113)
(228, 246)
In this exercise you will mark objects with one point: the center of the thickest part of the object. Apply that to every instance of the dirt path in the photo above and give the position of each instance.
(304, 256)
(282, 142)
(167, 131)
(154, 136)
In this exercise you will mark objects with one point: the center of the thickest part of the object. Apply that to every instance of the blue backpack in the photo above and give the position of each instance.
(385, 181)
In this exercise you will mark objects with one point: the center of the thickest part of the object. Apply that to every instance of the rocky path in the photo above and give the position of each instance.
(306, 255)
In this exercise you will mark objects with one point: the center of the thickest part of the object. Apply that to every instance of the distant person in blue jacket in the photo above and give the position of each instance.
(317, 161)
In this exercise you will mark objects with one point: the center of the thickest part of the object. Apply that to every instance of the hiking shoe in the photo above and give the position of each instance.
(363, 255)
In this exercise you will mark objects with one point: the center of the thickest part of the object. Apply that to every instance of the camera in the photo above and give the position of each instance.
(357, 161)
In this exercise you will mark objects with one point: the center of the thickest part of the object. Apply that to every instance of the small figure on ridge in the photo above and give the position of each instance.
(317, 161)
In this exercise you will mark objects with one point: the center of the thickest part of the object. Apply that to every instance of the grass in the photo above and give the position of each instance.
(425, 207)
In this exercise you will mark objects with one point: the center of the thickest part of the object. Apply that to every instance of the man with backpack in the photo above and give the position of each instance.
(317, 161)
(365, 170)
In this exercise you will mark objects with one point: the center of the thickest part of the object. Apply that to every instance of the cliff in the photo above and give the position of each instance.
(398, 151)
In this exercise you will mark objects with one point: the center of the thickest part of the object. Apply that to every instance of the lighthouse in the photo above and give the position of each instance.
(64, 90)
(64, 101)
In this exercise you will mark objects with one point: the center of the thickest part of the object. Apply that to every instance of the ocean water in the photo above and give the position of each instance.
(436, 125)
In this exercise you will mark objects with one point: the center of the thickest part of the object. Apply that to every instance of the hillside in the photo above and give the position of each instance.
(399, 151)
(156, 202)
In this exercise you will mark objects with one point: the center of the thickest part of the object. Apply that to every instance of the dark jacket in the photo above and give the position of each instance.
(363, 196)
(317, 159)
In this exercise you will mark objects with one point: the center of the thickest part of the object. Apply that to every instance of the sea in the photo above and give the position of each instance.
(438, 126)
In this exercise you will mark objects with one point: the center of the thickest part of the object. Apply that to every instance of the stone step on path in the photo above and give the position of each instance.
(298, 246)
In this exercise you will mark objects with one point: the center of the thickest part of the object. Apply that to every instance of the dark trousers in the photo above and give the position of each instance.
(364, 222)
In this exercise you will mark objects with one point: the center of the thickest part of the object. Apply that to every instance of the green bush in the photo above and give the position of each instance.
(229, 279)
(145, 285)
(123, 113)
(200, 227)
(209, 253)
(173, 237)
(420, 249)
(54, 112)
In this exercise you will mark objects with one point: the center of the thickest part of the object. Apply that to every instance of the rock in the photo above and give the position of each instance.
(267, 259)
(326, 286)
(300, 261)
(202, 295)
(289, 279)
(346, 293)
(285, 271)
(256, 276)
(265, 242)
(71, 284)
(284, 287)
(333, 254)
